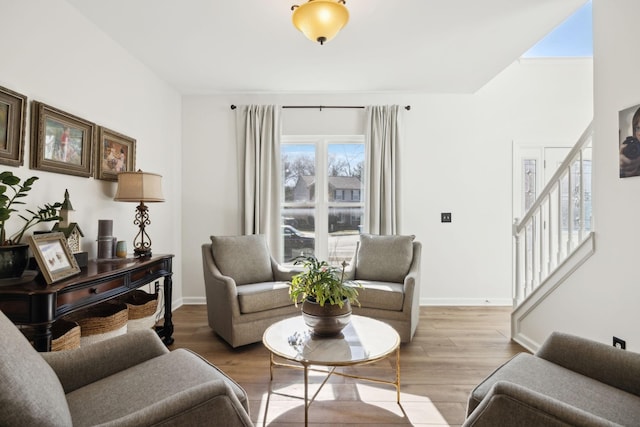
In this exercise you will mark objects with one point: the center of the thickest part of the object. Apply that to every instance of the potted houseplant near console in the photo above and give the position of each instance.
(14, 254)
(326, 297)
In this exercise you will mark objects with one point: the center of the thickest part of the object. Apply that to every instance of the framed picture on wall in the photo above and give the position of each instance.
(629, 141)
(115, 153)
(53, 255)
(13, 113)
(61, 142)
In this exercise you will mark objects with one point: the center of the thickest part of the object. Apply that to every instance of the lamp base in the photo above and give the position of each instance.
(142, 253)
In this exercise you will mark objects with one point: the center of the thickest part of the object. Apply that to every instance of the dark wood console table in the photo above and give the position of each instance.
(37, 305)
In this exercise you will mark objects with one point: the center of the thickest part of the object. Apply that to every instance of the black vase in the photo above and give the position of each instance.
(327, 320)
(13, 260)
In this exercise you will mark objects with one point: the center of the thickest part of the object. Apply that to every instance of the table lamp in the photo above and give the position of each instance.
(140, 187)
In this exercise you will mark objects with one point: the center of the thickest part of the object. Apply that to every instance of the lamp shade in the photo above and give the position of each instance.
(320, 20)
(139, 187)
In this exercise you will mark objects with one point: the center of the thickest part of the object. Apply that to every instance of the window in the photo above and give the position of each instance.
(322, 210)
(572, 38)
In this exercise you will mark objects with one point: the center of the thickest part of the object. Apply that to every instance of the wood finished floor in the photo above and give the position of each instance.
(454, 348)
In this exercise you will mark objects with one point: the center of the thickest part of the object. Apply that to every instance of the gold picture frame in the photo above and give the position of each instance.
(53, 256)
(61, 142)
(115, 153)
(13, 114)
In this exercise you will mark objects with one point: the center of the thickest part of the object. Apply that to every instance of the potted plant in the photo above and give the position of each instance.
(14, 254)
(326, 297)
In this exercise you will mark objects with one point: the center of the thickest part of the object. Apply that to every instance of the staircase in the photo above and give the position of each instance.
(555, 236)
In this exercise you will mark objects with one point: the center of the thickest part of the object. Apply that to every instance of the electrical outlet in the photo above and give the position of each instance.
(619, 343)
(445, 217)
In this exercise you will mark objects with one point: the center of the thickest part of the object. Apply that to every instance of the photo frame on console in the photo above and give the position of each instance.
(61, 142)
(13, 113)
(53, 255)
(115, 153)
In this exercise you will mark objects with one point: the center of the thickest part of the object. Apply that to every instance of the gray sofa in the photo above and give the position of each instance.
(570, 381)
(129, 380)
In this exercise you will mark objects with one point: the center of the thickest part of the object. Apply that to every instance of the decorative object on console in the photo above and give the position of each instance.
(115, 153)
(53, 256)
(71, 231)
(13, 113)
(105, 239)
(61, 142)
(140, 187)
(121, 249)
(320, 20)
(14, 255)
(326, 297)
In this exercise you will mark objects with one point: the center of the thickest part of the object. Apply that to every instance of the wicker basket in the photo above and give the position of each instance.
(66, 335)
(100, 322)
(142, 309)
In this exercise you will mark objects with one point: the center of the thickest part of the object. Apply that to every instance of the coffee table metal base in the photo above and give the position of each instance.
(364, 326)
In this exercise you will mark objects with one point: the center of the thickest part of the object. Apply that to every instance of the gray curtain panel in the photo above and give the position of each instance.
(383, 168)
(258, 141)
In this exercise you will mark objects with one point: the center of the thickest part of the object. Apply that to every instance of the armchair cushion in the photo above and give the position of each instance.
(245, 258)
(381, 295)
(126, 393)
(263, 296)
(384, 258)
(31, 392)
(79, 367)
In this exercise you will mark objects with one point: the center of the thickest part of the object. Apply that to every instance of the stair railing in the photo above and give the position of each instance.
(557, 222)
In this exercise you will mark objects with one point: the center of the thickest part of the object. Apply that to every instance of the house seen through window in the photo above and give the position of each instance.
(322, 207)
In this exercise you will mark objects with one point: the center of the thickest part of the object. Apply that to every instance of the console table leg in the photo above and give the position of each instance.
(42, 337)
(166, 331)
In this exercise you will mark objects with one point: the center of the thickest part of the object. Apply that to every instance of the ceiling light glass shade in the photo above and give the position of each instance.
(320, 20)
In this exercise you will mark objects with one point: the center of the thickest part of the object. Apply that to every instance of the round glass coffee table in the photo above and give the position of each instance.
(363, 341)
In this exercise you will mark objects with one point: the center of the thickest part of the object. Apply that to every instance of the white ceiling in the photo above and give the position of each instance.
(230, 46)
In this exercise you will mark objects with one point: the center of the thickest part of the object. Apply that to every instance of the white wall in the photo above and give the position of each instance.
(602, 298)
(456, 158)
(52, 54)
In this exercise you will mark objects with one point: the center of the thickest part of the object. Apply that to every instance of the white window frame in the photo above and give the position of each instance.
(321, 210)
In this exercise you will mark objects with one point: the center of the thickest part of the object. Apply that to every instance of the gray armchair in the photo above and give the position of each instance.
(246, 289)
(569, 381)
(129, 380)
(388, 268)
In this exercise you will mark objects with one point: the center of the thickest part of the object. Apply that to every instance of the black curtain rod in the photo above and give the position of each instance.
(320, 107)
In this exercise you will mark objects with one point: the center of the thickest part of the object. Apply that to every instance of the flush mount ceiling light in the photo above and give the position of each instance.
(320, 20)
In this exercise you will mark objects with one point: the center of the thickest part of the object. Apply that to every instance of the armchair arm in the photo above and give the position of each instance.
(412, 286)
(82, 366)
(604, 363)
(199, 405)
(509, 404)
(221, 290)
(282, 273)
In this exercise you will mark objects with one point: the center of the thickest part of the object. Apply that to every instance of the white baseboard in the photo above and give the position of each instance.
(526, 342)
(423, 301)
(467, 301)
(194, 300)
